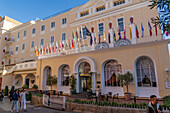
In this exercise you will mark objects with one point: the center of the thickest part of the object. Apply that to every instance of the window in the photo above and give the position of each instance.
(18, 35)
(32, 44)
(33, 31)
(9, 61)
(119, 2)
(15, 60)
(65, 72)
(16, 48)
(101, 28)
(63, 36)
(25, 33)
(52, 39)
(23, 46)
(145, 72)
(120, 24)
(84, 33)
(64, 20)
(111, 71)
(42, 42)
(84, 13)
(52, 24)
(100, 8)
(43, 28)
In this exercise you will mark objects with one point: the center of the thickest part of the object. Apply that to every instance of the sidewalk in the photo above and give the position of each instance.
(6, 105)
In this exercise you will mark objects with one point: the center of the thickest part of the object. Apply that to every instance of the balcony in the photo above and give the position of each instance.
(26, 66)
(8, 53)
(10, 40)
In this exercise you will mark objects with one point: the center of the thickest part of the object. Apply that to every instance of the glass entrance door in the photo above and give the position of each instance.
(84, 83)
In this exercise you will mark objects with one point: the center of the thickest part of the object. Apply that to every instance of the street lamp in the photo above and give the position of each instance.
(4, 72)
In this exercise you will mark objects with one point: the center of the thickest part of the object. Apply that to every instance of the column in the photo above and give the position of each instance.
(93, 44)
(94, 82)
(111, 38)
(133, 33)
(77, 83)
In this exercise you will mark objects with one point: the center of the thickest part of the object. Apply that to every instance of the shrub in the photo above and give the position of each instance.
(25, 86)
(35, 86)
(13, 87)
(6, 91)
(28, 97)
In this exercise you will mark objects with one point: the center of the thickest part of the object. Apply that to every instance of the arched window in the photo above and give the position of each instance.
(65, 72)
(145, 72)
(111, 71)
(84, 68)
(48, 72)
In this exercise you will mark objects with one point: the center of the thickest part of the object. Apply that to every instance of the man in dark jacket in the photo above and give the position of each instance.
(153, 106)
(15, 101)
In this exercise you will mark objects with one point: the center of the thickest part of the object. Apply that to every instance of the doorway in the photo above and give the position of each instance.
(27, 82)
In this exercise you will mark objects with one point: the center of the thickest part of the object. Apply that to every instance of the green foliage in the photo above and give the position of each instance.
(25, 86)
(35, 86)
(36, 94)
(13, 87)
(167, 100)
(6, 91)
(73, 82)
(28, 97)
(90, 81)
(126, 79)
(52, 80)
(164, 7)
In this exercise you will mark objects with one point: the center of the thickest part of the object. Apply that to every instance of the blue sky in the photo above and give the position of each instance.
(26, 10)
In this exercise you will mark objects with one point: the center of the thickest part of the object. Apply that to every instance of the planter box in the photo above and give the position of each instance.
(36, 100)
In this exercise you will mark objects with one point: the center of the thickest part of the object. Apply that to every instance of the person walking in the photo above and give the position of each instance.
(154, 106)
(15, 101)
(11, 95)
(23, 99)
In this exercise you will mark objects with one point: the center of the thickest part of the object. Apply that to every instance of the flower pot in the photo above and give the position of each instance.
(127, 96)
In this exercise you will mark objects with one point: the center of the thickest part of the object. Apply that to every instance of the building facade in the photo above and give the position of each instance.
(119, 40)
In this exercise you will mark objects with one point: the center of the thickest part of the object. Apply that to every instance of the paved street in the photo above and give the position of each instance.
(5, 107)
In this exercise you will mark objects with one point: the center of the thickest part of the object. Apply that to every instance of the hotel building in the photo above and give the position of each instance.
(105, 54)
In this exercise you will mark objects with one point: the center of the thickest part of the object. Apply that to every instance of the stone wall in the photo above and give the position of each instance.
(36, 100)
(84, 108)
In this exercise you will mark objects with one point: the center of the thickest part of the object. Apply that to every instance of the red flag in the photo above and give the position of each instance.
(53, 48)
(44, 50)
(50, 49)
(99, 38)
(137, 32)
(41, 50)
(156, 29)
(124, 33)
(72, 43)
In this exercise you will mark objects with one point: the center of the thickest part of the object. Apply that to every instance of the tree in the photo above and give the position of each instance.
(164, 11)
(52, 80)
(126, 79)
(72, 82)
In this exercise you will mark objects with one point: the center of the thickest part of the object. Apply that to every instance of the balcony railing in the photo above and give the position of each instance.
(10, 40)
(8, 53)
(26, 66)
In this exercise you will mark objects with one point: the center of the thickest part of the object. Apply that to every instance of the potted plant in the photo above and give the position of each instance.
(72, 85)
(125, 80)
(52, 80)
(89, 83)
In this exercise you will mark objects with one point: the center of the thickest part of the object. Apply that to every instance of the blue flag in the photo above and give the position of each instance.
(142, 29)
(88, 33)
(109, 37)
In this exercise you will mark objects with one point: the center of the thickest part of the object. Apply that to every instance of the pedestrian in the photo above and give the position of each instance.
(15, 101)
(23, 99)
(154, 106)
(11, 94)
(2, 96)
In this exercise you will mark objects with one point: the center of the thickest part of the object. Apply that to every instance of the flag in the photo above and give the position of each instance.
(99, 38)
(150, 28)
(95, 39)
(77, 36)
(44, 50)
(130, 32)
(56, 45)
(142, 29)
(119, 33)
(137, 32)
(124, 33)
(67, 45)
(73, 38)
(41, 50)
(88, 33)
(47, 50)
(156, 28)
(59, 46)
(53, 48)
(109, 37)
(50, 49)
(104, 36)
(114, 35)
(91, 40)
(38, 51)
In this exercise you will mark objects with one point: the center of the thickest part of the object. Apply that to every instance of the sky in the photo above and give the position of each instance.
(26, 10)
